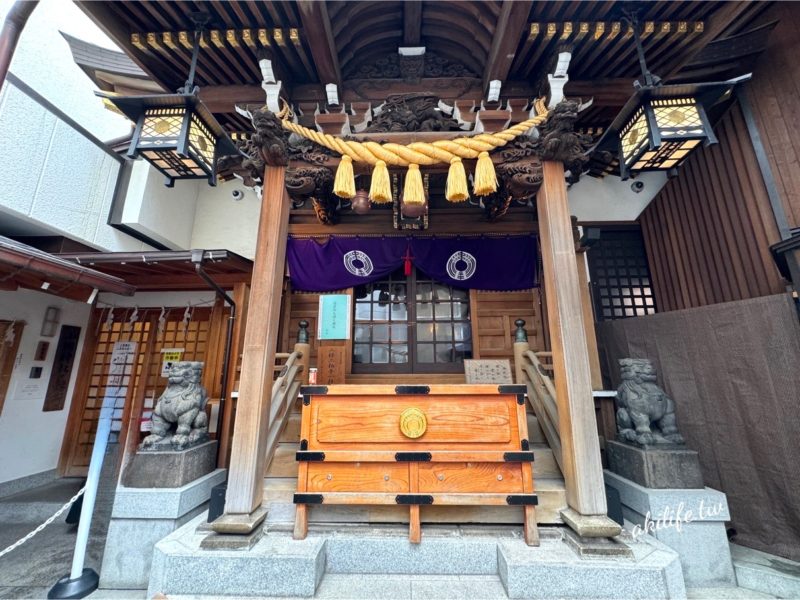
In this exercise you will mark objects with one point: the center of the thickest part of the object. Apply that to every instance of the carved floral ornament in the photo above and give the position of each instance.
(517, 176)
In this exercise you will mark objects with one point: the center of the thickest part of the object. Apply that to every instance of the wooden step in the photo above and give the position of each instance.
(400, 379)
(284, 464)
(551, 492)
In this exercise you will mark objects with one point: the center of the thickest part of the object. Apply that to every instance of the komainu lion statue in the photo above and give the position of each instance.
(179, 419)
(645, 414)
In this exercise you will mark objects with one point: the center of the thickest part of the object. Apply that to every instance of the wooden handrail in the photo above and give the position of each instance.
(284, 392)
(542, 396)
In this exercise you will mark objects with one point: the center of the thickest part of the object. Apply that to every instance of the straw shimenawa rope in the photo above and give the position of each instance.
(417, 153)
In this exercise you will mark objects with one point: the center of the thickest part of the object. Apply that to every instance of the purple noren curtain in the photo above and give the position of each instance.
(484, 263)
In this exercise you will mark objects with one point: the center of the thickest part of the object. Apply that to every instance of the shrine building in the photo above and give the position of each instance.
(408, 246)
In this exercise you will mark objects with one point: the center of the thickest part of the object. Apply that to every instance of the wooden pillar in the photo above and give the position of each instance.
(588, 320)
(246, 472)
(581, 465)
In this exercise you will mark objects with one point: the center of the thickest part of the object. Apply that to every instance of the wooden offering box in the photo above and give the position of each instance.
(415, 445)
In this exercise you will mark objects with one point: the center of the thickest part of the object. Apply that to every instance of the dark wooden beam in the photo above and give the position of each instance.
(511, 23)
(317, 31)
(713, 27)
(412, 23)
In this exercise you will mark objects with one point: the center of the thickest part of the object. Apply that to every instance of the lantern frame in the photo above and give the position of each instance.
(176, 134)
(671, 121)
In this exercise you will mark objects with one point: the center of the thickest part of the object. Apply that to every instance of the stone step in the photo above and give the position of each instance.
(380, 562)
(38, 504)
(283, 462)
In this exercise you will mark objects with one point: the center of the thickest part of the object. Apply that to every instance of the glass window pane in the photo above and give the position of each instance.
(362, 311)
(425, 332)
(459, 294)
(462, 332)
(463, 351)
(441, 292)
(398, 292)
(424, 312)
(442, 312)
(444, 332)
(380, 353)
(425, 353)
(460, 311)
(380, 313)
(399, 353)
(380, 333)
(424, 292)
(361, 353)
(399, 312)
(399, 333)
(444, 353)
(361, 333)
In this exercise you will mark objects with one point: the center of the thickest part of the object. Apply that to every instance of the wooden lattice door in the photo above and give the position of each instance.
(142, 374)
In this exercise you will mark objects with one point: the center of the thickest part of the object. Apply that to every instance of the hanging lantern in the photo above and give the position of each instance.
(176, 134)
(662, 129)
(661, 125)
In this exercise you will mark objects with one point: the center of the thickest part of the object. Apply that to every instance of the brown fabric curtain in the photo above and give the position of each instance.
(733, 370)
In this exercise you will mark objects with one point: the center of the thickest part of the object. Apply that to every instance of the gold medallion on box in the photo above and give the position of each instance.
(413, 423)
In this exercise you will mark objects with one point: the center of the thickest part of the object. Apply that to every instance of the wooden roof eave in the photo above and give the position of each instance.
(24, 259)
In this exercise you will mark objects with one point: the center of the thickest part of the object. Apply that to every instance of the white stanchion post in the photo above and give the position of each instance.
(82, 582)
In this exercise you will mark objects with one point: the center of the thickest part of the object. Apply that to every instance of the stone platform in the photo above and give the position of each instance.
(690, 521)
(494, 559)
(659, 467)
(140, 518)
(167, 468)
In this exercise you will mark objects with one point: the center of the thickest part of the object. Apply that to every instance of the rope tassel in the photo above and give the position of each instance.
(456, 190)
(485, 177)
(380, 188)
(414, 191)
(344, 185)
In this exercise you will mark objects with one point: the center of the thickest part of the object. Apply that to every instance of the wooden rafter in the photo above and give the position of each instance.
(412, 23)
(511, 23)
(317, 30)
(714, 26)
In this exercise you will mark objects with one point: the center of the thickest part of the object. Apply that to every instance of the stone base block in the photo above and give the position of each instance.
(655, 467)
(691, 522)
(275, 566)
(449, 556)
(170, 468)
(140, 518)
(766, 573)
(553, 570)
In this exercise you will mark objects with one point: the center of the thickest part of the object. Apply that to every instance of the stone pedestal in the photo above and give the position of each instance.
(690, 521)
(656, 467)
(140, 518)
(170, 468)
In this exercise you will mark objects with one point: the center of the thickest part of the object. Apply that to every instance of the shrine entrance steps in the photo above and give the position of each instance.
(452, 561)
(280, 484)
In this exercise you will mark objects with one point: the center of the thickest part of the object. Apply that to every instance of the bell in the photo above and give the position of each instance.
(413, 211)
(360, 203)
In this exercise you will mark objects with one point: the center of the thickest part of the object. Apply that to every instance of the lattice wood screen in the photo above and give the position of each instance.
(143, 377)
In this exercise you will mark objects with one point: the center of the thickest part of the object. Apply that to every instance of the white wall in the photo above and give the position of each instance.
(30, 439)
(167, 215)
(43, 61)
(55, 177)
(224, 223)
(611, 199)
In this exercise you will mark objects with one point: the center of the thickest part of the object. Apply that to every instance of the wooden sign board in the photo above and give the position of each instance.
(331, 363)
(333, 320)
